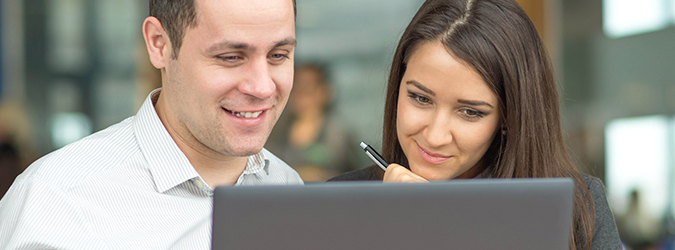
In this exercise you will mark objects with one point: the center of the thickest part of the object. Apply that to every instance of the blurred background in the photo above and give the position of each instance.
(72, 67)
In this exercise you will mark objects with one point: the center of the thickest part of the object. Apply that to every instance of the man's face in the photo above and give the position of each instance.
(231, 80)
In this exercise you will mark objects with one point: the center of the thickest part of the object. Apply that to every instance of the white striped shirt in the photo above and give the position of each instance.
(126, 187)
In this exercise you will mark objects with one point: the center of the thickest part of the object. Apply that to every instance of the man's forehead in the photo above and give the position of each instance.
(250, 15)
(251, 10)
(243, 25)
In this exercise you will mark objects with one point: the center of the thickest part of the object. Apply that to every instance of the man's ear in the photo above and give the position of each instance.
(157, 42)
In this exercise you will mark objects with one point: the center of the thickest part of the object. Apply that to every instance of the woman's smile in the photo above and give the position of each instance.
(431, 157)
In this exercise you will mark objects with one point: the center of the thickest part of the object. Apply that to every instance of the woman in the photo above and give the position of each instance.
(472, 94)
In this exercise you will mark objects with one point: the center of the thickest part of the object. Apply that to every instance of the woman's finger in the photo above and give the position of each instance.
(398, 173)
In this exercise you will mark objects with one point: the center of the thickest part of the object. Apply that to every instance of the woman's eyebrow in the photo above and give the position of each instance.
(421, 87)
(474, 103)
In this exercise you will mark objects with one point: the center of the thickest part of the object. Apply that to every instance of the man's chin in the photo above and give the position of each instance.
(245, 152)
(243, 147)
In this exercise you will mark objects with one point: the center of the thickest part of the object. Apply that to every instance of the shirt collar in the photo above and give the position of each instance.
(257, 167)
(256, 164)
(168, 165)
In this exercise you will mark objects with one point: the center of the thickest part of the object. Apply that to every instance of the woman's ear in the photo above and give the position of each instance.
(157, 42)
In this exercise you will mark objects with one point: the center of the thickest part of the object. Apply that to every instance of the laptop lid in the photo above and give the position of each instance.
(459, 214)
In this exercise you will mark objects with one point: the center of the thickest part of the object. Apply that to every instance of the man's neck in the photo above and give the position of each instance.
(215, 169)
(218, 172)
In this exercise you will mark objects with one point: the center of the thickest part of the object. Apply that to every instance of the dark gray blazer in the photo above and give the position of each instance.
(605, 236)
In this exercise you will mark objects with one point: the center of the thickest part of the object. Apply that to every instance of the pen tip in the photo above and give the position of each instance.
(363, 145)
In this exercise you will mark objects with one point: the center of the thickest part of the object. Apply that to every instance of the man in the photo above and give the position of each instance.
(147, 182)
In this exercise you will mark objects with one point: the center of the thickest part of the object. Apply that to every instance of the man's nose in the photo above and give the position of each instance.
(258, 81)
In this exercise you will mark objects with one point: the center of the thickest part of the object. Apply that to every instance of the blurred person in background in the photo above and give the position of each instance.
(17, 148)
(309, 137)
(472, 94)
(9, 165)
(638, 230)
(147, 182)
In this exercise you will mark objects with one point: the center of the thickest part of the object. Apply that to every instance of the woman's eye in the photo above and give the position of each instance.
(472, 113)
(419, 98)
(423, 99)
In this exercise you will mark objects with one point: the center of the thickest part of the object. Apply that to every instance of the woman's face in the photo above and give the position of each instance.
(447, 115)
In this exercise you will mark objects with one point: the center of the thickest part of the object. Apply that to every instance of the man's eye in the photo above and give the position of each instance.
(279, 56)
(228, 58)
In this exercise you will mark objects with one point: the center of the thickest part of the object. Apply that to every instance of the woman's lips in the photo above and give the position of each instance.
(430, 157)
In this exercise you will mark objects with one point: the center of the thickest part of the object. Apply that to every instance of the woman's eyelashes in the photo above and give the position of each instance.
(472, 114)
(419, 99)
(466, 112)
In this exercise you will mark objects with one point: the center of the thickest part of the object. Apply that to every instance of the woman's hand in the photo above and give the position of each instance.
(398, 173)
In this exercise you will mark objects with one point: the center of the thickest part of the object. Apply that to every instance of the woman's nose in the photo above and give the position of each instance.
(439, 131)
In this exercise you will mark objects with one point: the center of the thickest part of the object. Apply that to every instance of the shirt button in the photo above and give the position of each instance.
(199, 183)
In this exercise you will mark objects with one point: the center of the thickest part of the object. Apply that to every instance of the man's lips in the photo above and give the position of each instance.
(245, 114)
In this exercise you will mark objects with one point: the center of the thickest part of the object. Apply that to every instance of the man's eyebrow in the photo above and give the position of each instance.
(474, 103)
(421, 87)
(229, 45)
(244, 46)
(287, 41)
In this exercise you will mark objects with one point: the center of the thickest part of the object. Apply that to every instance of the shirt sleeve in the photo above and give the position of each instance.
(36, 215)
(606, 235)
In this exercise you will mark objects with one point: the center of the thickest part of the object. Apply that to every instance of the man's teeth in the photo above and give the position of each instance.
(246, 114)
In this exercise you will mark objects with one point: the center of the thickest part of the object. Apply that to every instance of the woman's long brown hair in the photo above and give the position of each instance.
(499, 41)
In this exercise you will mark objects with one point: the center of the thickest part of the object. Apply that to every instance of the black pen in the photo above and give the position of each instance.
(376, 157)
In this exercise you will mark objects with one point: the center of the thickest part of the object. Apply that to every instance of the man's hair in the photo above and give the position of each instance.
(177, 16)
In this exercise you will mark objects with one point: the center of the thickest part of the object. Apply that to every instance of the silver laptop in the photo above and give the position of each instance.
(459, 214)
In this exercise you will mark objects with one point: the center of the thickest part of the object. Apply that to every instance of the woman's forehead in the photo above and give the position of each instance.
(431, 66)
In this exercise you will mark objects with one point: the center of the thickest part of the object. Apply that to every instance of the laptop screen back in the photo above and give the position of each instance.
(459, 214)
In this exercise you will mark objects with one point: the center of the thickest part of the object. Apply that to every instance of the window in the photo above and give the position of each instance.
(629, 17)
(637, 158)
